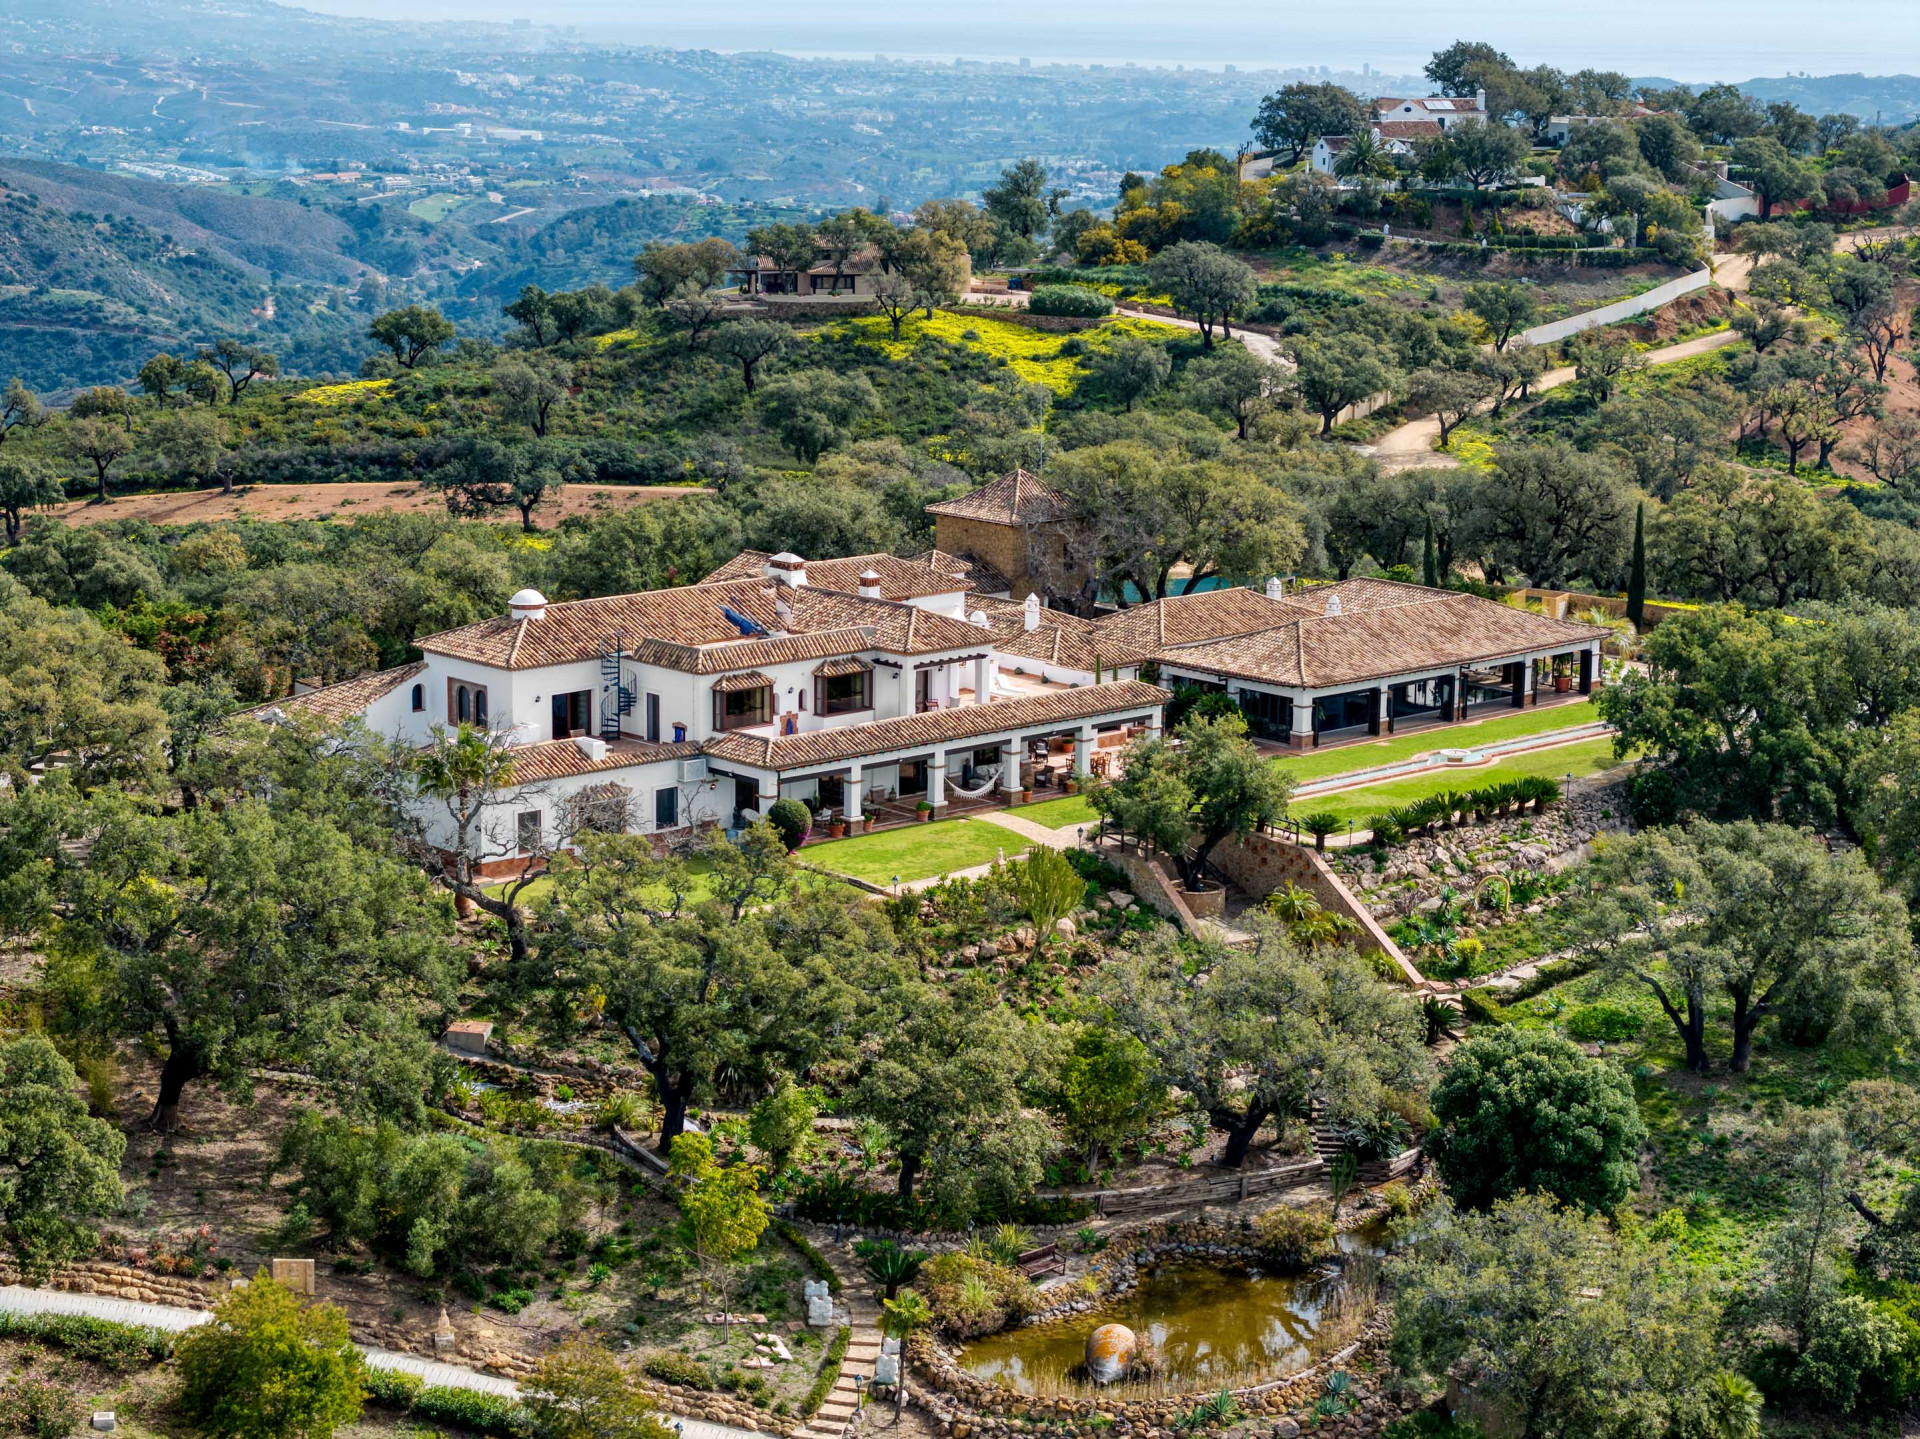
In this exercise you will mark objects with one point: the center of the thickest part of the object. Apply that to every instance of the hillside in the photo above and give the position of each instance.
(85, 299)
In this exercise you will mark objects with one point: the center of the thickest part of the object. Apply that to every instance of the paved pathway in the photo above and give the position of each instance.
(1411, 445)
(842, 1405)
(18, 1299)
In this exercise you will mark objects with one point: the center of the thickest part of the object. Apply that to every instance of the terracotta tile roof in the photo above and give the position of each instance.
(743, 680)
(780, 649)
(667, 626)
(850, 665)
(562, 758)
(934, 728)
(975, 574)
(1182, 619)
(1016, 499)
(1407, 129)
(899, 579)
(1379, 629)
(345, 700)
(1061, 639)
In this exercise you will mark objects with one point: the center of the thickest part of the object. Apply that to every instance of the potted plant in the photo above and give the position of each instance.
(924, 810)
(866, 821)
(1026, 791)
(837, 828)
(1562, 676)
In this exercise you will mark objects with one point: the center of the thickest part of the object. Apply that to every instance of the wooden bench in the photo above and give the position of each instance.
(1047, 1259)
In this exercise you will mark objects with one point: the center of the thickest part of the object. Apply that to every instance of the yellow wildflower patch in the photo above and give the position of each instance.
(1033, 355)
(346, 393)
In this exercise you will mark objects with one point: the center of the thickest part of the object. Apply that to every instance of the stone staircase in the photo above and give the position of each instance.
(836, 1416)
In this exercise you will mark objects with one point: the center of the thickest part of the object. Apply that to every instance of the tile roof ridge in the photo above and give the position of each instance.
(519, 633)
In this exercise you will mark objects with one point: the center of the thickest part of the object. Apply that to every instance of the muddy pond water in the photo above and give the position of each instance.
(1211, 1328)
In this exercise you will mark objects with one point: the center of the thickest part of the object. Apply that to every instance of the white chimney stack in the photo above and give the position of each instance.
(1030, 614)
(527, 605)
(870, 584)
(1276, 590)
(1333, 604)
(788, 569)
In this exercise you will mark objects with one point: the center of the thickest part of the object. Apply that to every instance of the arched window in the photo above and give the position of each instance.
(463, 704)
(479, 706)
(419, 698)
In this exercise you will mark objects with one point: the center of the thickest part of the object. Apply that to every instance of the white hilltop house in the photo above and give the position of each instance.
(881, 683)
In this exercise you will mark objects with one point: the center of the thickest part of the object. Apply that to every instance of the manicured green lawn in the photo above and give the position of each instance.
(1586, 757)
(1318, 764)
(697, 890)
(1059, 813)
(916, 851)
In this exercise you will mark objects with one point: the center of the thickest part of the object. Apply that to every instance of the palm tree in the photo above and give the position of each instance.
(1365, 158)
(899, 1318)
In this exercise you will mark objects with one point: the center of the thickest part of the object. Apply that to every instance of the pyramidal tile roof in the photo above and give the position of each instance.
(1021, 498)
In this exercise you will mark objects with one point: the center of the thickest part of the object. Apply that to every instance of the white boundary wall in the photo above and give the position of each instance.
(1653, 299)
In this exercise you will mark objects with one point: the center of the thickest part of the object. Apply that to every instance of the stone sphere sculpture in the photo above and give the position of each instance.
(1110, 1348)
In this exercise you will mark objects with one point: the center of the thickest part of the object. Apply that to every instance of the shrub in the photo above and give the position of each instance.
(39, 1408)
(1527, 1110)
(1608, 1022)
(791, 820)
(671, 1367)
(815, 1261)
(490, 1414)
(828, 1374)
(1480, 1007)
(1293, 1239)
(269, 1366)
(1071, 300)
(973, 1295)
(114, 1346)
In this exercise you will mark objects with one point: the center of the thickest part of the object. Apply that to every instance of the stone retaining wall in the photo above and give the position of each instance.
(966, 1405)
(120, 1281)
(1260, 864)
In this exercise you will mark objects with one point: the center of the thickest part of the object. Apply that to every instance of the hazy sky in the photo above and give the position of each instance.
(1685, 39)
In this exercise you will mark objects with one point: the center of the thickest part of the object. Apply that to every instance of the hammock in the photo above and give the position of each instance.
(992, 773)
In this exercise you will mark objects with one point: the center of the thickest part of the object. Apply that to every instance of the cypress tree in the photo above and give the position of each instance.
(1637, 576)
(1429, 564)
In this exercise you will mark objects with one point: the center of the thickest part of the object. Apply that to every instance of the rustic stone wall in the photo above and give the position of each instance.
(120, 1281)
(967, 1406)
(1259, 864)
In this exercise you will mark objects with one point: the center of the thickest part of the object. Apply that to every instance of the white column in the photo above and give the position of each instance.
(1010, 756)
(1302, 735)
(856, 801)
(1083, 750)
(767, 790)
(937, 780)
(1156, 723)
(983, 679)
(1527, 682)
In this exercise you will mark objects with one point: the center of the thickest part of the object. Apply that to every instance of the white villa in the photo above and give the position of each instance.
(876, 682)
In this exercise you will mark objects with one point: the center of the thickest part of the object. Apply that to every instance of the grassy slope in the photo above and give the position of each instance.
(1586, 757)
(916, 851)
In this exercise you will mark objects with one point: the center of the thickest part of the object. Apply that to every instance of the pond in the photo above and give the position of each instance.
(1211, 1328)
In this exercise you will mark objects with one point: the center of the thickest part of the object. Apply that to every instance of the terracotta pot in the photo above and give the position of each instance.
(1026, 796)
(925, 815)
(1562, 683)
(837, 828)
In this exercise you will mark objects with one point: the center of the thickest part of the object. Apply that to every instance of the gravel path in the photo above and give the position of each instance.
(17, 1299)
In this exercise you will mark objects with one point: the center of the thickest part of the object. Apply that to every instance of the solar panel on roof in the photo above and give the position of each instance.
(1439, 104)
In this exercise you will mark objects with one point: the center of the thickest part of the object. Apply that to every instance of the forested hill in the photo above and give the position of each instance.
(87, 297)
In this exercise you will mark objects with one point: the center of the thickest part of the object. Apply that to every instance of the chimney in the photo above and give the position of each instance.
(1333, 604)
(1480, 99)
(1030, 614)
(1275, 589)
(870, 583)
(527, 605)
(787, 569)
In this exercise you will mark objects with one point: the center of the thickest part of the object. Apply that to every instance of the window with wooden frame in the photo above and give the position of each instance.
(841, 694)
(740, 709)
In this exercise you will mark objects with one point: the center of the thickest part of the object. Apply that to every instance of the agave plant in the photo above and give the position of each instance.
(1009, 1242)
(892, 1268)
